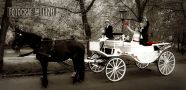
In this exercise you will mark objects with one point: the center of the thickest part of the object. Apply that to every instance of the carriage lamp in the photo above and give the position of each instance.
(122, 14)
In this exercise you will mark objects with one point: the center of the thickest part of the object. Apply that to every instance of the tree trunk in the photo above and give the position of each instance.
(140, 5)
(4, 27)
(86, 25)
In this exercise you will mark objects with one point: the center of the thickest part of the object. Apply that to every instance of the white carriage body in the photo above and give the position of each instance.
(94, 46)
(140, 53)
(116, 50)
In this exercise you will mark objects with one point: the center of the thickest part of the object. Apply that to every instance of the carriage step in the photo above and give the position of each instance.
(89, 60)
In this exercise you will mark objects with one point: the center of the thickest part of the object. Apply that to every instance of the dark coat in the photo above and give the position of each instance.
(144, 34)
(109, 32)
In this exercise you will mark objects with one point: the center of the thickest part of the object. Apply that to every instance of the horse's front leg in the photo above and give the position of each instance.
(44, 79)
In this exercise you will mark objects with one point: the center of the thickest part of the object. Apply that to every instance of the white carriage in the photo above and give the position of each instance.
(111, 57)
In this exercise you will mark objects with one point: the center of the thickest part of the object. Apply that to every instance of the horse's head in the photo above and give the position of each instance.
(18, 41)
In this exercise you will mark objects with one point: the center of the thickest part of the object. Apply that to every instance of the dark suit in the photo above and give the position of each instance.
(144, 34)
(108, 32)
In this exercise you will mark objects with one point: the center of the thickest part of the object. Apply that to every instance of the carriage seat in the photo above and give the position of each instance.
(149, 43)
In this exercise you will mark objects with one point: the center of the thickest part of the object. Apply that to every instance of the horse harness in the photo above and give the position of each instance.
(52, 45)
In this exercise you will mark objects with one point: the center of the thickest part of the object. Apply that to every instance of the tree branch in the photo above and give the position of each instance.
(91, 4)
(131, 19)
(144, 5)
(184, 13)
(63, 8)
(129, 9)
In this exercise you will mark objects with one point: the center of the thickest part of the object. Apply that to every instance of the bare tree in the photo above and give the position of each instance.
(172, 19)
(139, 9)
(4, 27)
(83, 11)
(85, 21)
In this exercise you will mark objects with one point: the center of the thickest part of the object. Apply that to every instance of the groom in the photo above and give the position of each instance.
(144, 32)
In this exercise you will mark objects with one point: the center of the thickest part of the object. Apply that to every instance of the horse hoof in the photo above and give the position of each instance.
(75, 80)
(44, 85)
(44, 82)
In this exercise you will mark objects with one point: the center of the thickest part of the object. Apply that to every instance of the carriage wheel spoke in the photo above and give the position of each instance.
(120, 72)
(119, 63)
(161, 61)
(117, 76)
(169, 68)
(98, 68)
(171, 65)
(162, 58)
(114, 75)
(166, 69)
(111, 75)
(170, 56)
(111, 65)
(171, 60)
(109, 72)
(120, 67)
(162, 67)
(116, 64)
(94, 67)
(163, 70)
(109, 68)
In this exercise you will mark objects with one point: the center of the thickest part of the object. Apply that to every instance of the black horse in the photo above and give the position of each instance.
(48, 50)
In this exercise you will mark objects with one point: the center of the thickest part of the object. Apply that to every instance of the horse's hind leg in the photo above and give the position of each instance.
(44, 65)
(79, 67)
(75, 75)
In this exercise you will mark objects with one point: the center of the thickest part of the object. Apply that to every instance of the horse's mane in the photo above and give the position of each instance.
(31, 35)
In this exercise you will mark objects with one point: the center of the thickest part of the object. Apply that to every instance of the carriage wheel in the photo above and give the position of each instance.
(166, 63)
(96, 66)
(115, 69)
(142, 65)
